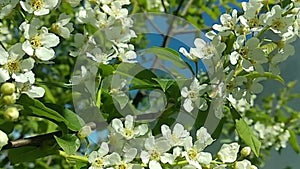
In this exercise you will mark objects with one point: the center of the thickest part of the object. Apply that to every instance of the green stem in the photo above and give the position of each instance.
(83, 159)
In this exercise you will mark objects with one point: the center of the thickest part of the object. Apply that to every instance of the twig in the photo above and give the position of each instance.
(32, 141)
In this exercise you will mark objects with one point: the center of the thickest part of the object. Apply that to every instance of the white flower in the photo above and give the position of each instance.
(203, 138)
(203, 50)
(3, 139)
(98, 159)
(277, 22)
(193, 154)
(252, 56)
(38, 7)
(62, 27)
(31, 90)
(129, 131)
(283, 138)
(103, 21)
(177, 137)
(228, 23)
(193, 96)
(228, 152)
(99, 56)
(156, 152)
(245, 164)
(13, 64)
(128, 56)
(116, 160)
(115, 10)
(251, 8)
(39, 43)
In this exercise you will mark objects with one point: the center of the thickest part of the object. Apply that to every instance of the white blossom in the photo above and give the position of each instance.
(175, 137)
(128, 131)
(193, 96)
(13, 65)
(98, 159)
(38, 7)
(228, 152)
(39, 43)
(155, 152)
(63, 27)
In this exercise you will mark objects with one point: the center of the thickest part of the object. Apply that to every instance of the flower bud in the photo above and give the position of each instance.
(84, 132)
(11, 114)
(8, 88)
(245, 151)
(3, 139)
(9, 99)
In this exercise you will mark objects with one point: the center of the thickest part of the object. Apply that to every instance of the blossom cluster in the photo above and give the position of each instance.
(251, 51)
(129, 143)
(271, 135)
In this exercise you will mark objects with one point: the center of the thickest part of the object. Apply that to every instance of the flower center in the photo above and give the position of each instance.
(244, 51)
(193, 95)
(55, 28)
(37, 4)
(98, 162)
(155, 155)
(128, 133)
(192, 153)
(277, 24)
(13, 66)
(36, 42)
(253, 22)
(121, 166)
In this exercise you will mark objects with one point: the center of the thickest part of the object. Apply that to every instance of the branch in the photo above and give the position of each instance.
(39, 140)
(32, 141)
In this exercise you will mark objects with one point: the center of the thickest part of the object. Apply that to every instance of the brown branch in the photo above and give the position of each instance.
(39, 140)
(32, 141)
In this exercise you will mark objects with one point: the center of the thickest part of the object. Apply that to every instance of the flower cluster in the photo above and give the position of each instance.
(272, 135)
(175, 147)
(251, 50)
(112, 20)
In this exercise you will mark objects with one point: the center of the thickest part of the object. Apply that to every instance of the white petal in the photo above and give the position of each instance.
(154, 165)
(44, 54)
(103, 150)
(129, 122)
(50, 40)
(27, 48)
(50, 3)
(41, 12)
(117, 125)
(27, 64)
(188, 105)
(4, 56)
(36, 92)
(4, 75)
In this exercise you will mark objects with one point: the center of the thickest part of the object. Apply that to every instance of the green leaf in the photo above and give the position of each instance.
(294, 142)
(246, 134)
(167, 54)
(37, 108)
(69, 143)
(164, 83)
(72, 120)
(29, 153)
